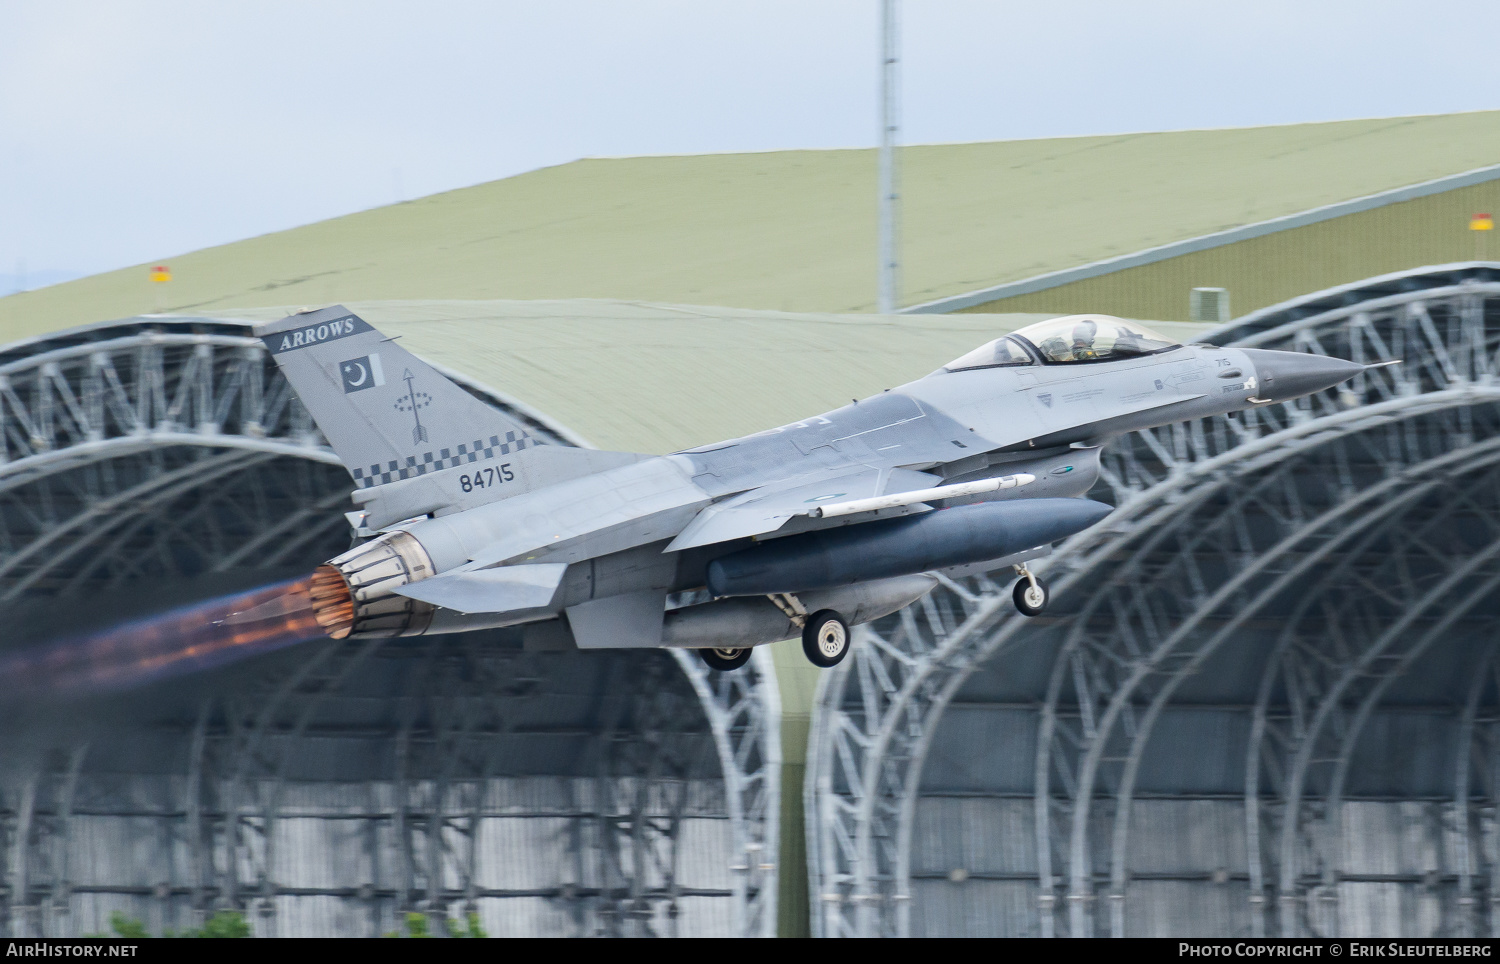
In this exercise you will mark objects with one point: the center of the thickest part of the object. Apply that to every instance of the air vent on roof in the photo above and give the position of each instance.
(1209, 305)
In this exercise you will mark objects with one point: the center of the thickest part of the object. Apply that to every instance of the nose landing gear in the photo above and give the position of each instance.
(1030, 593)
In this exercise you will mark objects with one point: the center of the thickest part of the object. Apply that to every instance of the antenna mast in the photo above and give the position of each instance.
(886, 295)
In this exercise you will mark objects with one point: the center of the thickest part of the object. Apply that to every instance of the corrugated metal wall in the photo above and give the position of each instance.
(544, 848)
(1396, 862)
(975, 874)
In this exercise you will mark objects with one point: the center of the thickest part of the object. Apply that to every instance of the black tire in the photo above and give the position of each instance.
(1030, 606)
(725, 660)
(825, 638)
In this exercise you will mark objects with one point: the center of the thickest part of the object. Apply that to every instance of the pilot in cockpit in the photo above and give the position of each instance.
(1083, 340)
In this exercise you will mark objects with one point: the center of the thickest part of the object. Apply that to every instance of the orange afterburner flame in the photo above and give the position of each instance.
(186, 640)
(333, 606)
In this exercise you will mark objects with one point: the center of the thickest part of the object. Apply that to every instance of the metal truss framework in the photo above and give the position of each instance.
(167, 448)
(618, 870)
(1217, 521)
(160, 448)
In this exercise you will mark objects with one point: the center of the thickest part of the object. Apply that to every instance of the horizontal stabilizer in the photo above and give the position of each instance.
(501, 590)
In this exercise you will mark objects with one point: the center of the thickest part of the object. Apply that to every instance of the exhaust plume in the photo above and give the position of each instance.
(189, 639)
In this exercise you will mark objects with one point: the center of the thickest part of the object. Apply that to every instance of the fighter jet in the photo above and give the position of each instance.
(807, 528)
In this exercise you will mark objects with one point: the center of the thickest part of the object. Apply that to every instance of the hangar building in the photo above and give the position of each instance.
(1125, 224)
(333, 787)
(1265, 703)
(1287, 615)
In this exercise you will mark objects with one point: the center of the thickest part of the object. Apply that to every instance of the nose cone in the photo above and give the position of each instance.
(1283, 375)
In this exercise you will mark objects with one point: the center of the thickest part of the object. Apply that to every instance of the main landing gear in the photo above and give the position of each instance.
(825, 637)
(725, 660)
(825, 634)
(1030, 593)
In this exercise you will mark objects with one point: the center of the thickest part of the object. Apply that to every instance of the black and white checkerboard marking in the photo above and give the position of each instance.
(475, 451)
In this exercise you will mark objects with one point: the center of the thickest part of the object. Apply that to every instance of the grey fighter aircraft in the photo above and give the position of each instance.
(810, 527)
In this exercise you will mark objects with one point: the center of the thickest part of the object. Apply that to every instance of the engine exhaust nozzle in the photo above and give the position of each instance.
(354, 594)
(333, 604)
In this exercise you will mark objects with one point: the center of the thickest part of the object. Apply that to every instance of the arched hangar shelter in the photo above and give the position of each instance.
(1266, 700)
(332, 787)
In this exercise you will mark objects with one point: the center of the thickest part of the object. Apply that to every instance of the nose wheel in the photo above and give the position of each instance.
(825, 638)
(725, 660)
(1030, 593)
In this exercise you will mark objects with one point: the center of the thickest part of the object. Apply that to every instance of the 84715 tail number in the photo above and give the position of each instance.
(483, 478)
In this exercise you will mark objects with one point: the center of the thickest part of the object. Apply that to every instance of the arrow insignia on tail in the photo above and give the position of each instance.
(414, 400)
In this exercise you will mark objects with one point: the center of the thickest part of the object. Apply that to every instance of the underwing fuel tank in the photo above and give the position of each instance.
(897, 547)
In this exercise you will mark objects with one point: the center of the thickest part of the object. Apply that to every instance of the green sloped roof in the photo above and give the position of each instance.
(657, 378)
(791, 230)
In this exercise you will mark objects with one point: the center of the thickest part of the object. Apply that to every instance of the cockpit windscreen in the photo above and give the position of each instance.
(1092, 338)
(1000, 353)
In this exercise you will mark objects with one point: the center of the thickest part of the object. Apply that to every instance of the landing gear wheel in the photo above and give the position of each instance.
(1030, 599)
(825, 638)
(725, 660)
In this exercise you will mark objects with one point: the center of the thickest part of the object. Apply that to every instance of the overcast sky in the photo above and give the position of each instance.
(131, 131)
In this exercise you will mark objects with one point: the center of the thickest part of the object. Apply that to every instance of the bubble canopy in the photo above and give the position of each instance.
(1068, 340)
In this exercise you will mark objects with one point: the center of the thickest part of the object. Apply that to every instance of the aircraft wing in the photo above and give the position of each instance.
(768, 507)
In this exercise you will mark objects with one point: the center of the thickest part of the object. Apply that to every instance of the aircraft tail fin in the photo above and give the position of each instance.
(391, 417)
